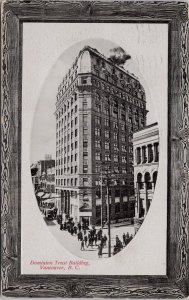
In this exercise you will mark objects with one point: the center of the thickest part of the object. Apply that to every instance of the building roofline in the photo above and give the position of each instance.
(95, 51)
(148, 126)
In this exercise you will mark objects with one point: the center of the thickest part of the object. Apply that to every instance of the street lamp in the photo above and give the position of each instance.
(108, 219)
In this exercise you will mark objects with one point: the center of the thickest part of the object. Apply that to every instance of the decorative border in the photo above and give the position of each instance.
(183, 246)
(175, 285)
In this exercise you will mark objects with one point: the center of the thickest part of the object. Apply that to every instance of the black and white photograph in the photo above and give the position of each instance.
(94, 149)
(96, 185)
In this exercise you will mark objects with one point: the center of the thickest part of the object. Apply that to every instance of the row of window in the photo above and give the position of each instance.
(67, 182)
(67, 159)
(123, 85)
(147, 154)
(107, 135)
(67, 106)
(66, 123)
(72, 170)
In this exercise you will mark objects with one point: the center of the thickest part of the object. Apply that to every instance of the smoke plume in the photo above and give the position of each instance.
(118, 56)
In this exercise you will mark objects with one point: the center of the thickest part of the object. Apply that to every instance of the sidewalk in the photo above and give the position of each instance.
(72, 244)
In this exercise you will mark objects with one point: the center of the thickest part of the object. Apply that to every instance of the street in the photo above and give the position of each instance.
(72, 244)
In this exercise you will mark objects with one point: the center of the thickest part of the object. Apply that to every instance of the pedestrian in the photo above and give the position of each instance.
(95, 239)
(82, 245)
(85, 239)
(75, 230)
(115, 250)
(124, 239)
(105, 240)
(79, 226)
(127, 240)
(100, 251)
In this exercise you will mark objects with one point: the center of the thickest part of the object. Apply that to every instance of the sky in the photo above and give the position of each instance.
(49, 50)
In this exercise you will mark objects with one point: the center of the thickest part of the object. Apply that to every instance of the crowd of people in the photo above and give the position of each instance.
(92, 237)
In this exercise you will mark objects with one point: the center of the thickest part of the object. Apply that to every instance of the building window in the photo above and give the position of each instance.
(97, 107)
(85, 130)
(107, 122)
(116, 169)
(85, 181)
(124, 160)
(115, 136)
(98, 168)
(138, 155)
(116, 158)
(124, 170)
(107, 134)
(156, 152)
(123, 148)
(85, 119)
(85, 144)
(76, 131)
(123, 138)
(84, 105)
(76, 144)
(85, 169)
(106, 111)
(75, 169)
(76, 157)
(97, 156)
(97, 131)
(116, 147)
(123, 117)
(130, 119)
(75, 181)
(107, 146)
(115, 125)
(76, 120)
(150, 154)
(97, 120)
(84, 80)
(122, 127)
(85, 155)
(97, 182)
(75, 108)
(107, 157)
(144, 157)
(97, 144)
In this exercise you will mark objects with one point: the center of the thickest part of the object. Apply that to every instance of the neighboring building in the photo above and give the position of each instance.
(50, 181)
(99, 106)
(34, 175)
(146, 162)
(39, 172)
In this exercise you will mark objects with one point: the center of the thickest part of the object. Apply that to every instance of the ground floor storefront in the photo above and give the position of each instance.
(90, 205)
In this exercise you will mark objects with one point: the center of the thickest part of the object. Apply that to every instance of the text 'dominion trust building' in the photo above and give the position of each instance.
(99, 106)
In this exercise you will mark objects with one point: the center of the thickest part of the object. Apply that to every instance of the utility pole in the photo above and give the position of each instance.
(108, 219)
(101, 199)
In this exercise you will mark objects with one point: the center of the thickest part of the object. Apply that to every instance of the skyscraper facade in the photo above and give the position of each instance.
(99, 106)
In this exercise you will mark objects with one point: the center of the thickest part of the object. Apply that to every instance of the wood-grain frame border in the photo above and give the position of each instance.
(176, 283)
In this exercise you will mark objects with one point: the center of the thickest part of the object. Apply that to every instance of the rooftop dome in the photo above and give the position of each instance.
(84, 62)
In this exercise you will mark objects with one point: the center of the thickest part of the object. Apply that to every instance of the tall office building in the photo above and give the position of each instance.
(99, 106)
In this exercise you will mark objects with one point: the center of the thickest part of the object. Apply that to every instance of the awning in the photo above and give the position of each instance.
(48, 201)
(39, 194)
(54, 195)
(45, 196)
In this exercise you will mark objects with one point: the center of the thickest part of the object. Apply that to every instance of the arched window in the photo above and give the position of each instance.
(139, 181)
(147, 180)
